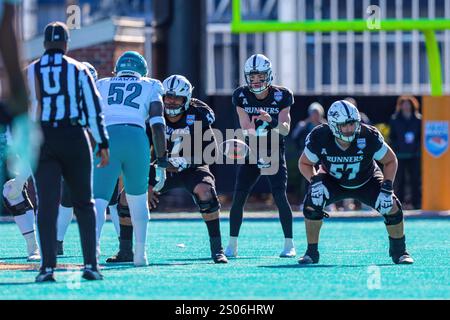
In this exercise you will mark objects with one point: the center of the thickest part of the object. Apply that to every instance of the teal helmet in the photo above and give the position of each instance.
(131, 63)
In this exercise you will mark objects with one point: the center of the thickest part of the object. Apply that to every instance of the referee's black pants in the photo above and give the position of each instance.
(66, 152)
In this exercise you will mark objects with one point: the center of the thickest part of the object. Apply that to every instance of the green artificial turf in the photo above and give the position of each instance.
(354, 264)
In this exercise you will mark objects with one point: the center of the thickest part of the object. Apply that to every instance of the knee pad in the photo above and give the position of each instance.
(396, 218)
(313, 214)
(18, 208)
(208, 206)
(393, 219)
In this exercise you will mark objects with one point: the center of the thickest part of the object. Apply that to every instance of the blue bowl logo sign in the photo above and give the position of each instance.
(436, 137)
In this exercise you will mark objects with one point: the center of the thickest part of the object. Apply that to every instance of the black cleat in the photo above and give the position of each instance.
(397, 251)
(59, 248)
(125, 253)
(45, 275)
(121, 257)
(405, 258)
(217, 253)
(90, 273)
(220, 258)
(309, 258)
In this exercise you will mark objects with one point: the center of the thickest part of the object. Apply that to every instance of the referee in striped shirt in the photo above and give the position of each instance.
(64, 100)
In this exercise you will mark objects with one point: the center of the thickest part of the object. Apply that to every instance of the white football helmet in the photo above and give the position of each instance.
(342, 112)
(91, 70)
(177, 86)
(256, 64)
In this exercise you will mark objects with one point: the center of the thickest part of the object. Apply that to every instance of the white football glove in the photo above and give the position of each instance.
(179, 162)
(160, 176)
(319, 192)
(385, 200)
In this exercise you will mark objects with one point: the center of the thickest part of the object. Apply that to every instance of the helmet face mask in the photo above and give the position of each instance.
(341, 114)
(172, 107)
(177, 95)
(258, 82)
(258, 73)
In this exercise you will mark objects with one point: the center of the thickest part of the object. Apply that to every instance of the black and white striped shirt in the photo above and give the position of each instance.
(62, 89)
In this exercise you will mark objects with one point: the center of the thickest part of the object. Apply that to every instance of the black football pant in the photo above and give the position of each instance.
(247, 177)
(66, 152)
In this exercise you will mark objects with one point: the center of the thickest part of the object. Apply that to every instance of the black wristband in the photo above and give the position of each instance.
(103, 145)
(387, 186)
(162, 162)
(273, 123)
(316, 178)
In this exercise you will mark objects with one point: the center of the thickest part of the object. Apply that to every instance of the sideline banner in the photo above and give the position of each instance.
(435, 153)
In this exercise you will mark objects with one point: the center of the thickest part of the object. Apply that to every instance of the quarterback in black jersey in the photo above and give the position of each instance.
(262, 108)
(187, 169)
(346, 151)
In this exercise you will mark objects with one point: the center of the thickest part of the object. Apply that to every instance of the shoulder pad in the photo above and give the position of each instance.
(202, 110)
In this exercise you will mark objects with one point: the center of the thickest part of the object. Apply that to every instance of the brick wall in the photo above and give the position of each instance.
(102, 56)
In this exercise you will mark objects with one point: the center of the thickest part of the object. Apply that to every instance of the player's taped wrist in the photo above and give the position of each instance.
(387, 186)
(162, 162)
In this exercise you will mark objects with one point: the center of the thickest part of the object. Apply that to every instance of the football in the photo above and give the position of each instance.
(234, 149)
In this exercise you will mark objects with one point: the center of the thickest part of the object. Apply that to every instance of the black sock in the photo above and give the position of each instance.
(215, 238)
(397, 247)
(213, 228)
(126, 233)
(312, 247)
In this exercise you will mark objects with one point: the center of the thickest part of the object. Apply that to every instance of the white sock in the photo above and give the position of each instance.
(233, 242)
(65, 216)
(139, 213)
(100, 209)
(25, 222)
(115, 218)
(288, 243)
(32, 245)
(139, 249)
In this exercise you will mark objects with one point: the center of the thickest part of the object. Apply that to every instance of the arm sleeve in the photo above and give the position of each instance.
(310, 150)
(207, 115)
(235, 99)
(380, 146)
(92, 108)
(288, 99)
(157, 92)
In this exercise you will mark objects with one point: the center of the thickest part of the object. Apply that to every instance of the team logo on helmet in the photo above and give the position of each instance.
(436, 137)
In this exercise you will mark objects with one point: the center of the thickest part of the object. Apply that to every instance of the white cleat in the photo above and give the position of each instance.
(140, 261)
(405, 259)
(140, 256)
(34, 256)
(289, 249)
(231, 251)
(288, 253)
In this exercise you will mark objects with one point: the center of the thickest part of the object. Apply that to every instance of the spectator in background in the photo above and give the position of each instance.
(301, 131)
(364, 118)
(405, 136)
(303, 128)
